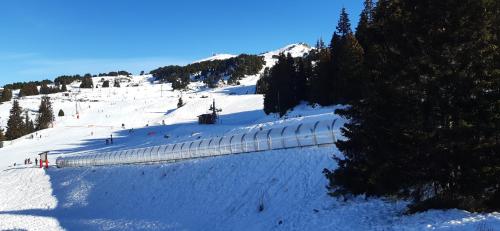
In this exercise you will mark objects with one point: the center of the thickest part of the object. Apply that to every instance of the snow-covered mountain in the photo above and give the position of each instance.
(296, 50)
(217, 57)
(273, 190)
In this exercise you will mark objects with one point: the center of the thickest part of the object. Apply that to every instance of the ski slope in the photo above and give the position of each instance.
(271, 190)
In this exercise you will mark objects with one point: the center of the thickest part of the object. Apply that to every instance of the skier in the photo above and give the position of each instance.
(111, 139)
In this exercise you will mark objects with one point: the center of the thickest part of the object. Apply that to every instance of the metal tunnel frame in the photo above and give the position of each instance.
(292, 136)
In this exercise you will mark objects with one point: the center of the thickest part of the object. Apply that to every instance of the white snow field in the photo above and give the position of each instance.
(271, 190)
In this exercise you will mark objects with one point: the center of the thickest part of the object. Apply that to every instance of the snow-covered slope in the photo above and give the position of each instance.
(274, 190)
(217, 57)
(295, 50)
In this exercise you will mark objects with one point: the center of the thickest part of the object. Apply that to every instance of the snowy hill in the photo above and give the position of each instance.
(273, 190)
(295, 50)
(217, 57)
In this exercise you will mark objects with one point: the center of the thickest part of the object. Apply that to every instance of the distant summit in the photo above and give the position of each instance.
(217, 57)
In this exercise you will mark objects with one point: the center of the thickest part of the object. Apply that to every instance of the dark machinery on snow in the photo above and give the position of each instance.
(210, 118)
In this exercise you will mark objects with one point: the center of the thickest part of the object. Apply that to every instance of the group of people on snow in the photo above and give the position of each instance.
(27, 161)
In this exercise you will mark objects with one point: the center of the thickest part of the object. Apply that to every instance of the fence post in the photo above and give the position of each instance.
(182, 151)
(108, 158)
(173, 149)
(220, 150)
(333, 131)
(210, 147)
(243, 148)
(157, 158)
(297, 135)
(164, 152)
(122, 159)
(140, 155)
(148, 153)
(189, 149)
(269, 141)
(148, 157)
(231, 144)
(255, 143)
(314, 133)
(282, 137)
(198, 149)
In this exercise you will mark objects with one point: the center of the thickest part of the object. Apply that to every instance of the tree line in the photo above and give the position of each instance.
(19, 85)
(327, 76)
(30, 90)
(20, 124)
(422, 83)
(211, 72)
(68, 79)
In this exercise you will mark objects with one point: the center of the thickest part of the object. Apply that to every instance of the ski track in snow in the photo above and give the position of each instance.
(272, 190)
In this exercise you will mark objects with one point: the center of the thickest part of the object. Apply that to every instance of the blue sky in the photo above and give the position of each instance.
(44, 39)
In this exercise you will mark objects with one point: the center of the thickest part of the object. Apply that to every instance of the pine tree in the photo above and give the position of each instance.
(45, 114)
(61, 113)
(64, 88)
(44, 89)
(365, 20)
(15, 125)
(28, 90)
(105, 84)
(346, 64)
(428, 131)
(320, 44)
(344, 25)
(181, 81)
(29, 127)
(212, 80)
(87, 82)
(321, 81)
(280, 95)
(303, 71)
(6, 95)
(262, 85)
(116, 84)
(2, 136)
